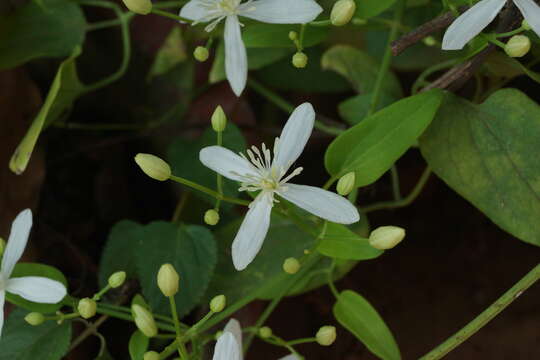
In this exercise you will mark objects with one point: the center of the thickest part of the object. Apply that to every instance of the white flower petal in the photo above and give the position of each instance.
(290, 357)
(324, 204)
(226, 162)
(194, 10)
(531, 12)
(233, 326)
(281, 11)
(294, 136)
(236, 66)
(250, 236)
(227, 348)
(471, 23)
(37, 289)
(18, 237)
(2, 300)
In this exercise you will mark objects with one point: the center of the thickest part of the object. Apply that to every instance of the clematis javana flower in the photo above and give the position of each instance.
(474, 20)
(268, 11)
(229, 344)
(32, 288)
(259, 172)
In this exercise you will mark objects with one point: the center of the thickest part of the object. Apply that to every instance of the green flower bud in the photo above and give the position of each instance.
(386, 237)
(300, 60)
(2, 246)
(525, 25)
(291, 265)
(518, 46)
(211, 217)
(265, 332)
(293, 35)
(168, 280)
(326, 335)
(87, 308)
(34, 318)
(144, 320)
(201, 53)
(151, 355)
(142, 7)
(429, 41)
(217, 304)
(153, 166)
(219, 120)
(117, 279)
(346, 183)
(342, 12)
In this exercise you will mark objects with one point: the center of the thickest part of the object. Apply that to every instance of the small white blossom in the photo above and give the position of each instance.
(268, 11)
(474, 20)
(32, 288)
(259, 172)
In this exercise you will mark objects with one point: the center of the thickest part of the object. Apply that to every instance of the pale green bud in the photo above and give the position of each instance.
(144, 320)
(219, 120)
(34, 318)
(525, 25)
(168, 280)
(117, 279)
(265, 332)
(217, 304)
(342, 12)
(386, 237)
(211, 217)
(142, 7)
(291, 265)
(346, 183)
(326, 335)
(87, 308)
(518, 46)
(293, 35)
(201, 53)
(151, 355)
(2, 246)
(429, 41)
(300, 60)
(153, 166)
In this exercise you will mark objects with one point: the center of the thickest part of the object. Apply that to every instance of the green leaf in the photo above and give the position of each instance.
(32, 31)
(171, 53)
(357, 315)
(32, 269)
(21, 341)
(371, 147)
(487, 154)
(138, 345)
(261, 35)
(366, 9)
(355, 109)
(341, 243)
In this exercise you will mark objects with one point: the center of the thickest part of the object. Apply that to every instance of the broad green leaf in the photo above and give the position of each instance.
(21, 341)
(357, 315)
(33, 31)
(138, 345)
(341, 243)
(355, 109)
(487, 153)
(171, 53)
(366, 9)
(371, 147)
(261, 35)
(33, 269)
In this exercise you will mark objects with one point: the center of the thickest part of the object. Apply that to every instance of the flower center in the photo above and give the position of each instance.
(229, 6)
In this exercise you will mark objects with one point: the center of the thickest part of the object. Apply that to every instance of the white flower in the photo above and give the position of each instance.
(258, 171)
(474, 20)
(32, 288)
(229, 344)
(269, 11)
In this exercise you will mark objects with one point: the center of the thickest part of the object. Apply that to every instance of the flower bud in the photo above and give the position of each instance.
(429, 41)
(300, 60)
(342, 12)
(201, 53)
(117, 279)
(168, 280)
(144, 320)
(291, 265)
(217, 304)
(525, 25)
(153, 166)
(265, 332)
(386, 237)
(326, 335)
(219, 120)
(211, 217)
(293, 35)
(34, 318)
(151, 355)
(2, 246)
(518, 46)
(87, 308)
(142, 7)
(346, 183)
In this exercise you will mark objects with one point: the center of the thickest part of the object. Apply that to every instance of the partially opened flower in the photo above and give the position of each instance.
(474, 20)
(32, 288)
(268, 11)
(259, 172)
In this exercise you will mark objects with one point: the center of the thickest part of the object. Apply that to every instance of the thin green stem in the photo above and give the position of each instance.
(321, 23)
(301, 341)
(128, 317)
(331, 284)
(219, 178)
(176, 322)
(103, 24)
(91, 329)
(102, 292)
(395, 183)
(208, 191)
(169, 4)
(330, 181)
(170, 16)
(485, 317)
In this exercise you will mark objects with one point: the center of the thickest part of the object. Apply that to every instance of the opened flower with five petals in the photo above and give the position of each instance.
(259, 172)
(268, 11)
